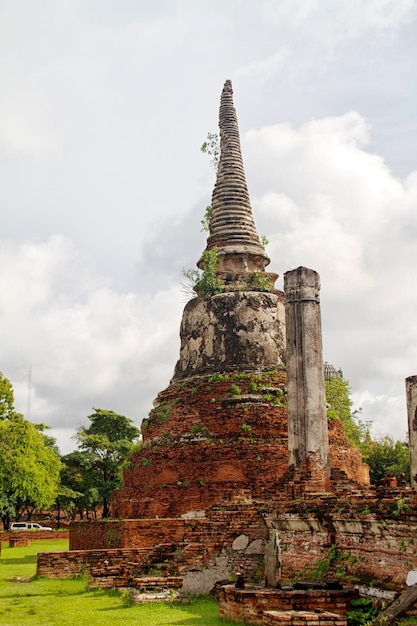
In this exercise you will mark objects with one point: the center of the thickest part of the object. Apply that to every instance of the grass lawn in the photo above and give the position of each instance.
(27, 601)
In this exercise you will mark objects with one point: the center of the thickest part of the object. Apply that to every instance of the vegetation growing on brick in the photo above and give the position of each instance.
(258, 281)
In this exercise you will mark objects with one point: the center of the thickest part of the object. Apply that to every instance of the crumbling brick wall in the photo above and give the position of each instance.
(210, 438)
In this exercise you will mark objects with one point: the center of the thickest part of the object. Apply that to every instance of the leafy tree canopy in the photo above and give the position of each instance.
(29, 462)
(340, 407)
(387, 457)
(78, 491)
(107, 443)
(113, 426)
(6, 398)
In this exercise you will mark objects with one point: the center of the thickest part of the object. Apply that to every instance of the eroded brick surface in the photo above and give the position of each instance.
(211, 438)
(251, 603)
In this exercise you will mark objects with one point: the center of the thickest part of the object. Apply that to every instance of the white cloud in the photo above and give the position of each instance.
(102, 188)
(337, 208)
(315, 33)
(322, 200)
(389, 411)
(85, 343)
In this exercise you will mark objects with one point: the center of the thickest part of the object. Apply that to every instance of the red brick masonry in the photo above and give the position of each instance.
(301, 618)
(250, 603)
(209, 438)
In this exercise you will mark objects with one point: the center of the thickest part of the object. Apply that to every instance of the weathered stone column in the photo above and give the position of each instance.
(411, 392)
(307, 418)
(272, 560)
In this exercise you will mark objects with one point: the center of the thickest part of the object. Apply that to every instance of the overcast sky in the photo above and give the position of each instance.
(103, 110)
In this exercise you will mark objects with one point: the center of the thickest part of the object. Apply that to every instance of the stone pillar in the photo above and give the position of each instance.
(272, 560)
(308, 438)
(411, 392)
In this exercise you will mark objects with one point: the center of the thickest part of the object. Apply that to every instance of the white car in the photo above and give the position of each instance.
(28, 526)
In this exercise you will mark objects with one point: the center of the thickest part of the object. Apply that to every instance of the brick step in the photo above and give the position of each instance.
(157, 583)
(300, 618)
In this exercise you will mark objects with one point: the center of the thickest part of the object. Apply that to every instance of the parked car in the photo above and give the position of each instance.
(28, 526)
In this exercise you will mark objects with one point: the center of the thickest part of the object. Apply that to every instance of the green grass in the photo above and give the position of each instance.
(33, 601)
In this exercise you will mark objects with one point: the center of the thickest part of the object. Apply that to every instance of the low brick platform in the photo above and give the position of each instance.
(34, 535)
(301, 618)
(18, 542)
(156, 588)
(120, 563)
(250, 604)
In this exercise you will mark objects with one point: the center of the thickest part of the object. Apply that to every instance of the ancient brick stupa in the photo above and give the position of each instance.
(218, 433)
(240, 473)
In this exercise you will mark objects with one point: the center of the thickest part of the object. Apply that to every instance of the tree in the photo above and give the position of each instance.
(107, 441)
(340, 407)
(79, 493)
(6, 397)
(65, 501)
(387, 457)
(29, 470)
(384, 455)
(29, 464)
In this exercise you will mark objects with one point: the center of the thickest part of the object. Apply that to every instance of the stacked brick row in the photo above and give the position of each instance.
(302, 618)
(250, 604)
(75, 562)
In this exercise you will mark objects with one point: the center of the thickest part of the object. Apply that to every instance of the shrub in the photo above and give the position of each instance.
(205, 283)
(258, 281)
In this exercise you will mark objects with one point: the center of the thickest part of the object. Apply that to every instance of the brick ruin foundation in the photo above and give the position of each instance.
(296, 606)
(238, 449)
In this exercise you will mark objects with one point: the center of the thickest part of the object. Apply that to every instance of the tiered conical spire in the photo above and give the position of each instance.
(232, 229)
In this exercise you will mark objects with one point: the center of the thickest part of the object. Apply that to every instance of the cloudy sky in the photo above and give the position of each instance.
(103, 109)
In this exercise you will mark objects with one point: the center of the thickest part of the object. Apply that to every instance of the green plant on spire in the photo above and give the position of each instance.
(258, 281)
(205, 222)
(211, 147)
(205, 283)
